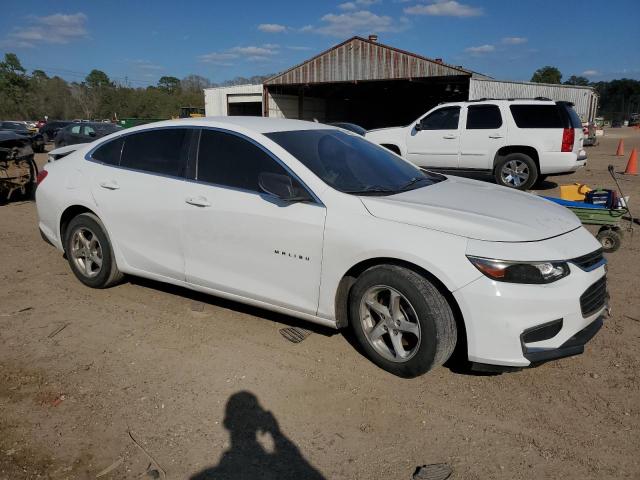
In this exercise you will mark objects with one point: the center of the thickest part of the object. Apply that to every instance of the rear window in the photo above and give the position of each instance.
(109, 152)
(573, 116)
(156, 151)
(538, 116)
(482, 117)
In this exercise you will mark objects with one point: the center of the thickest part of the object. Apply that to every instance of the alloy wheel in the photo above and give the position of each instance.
(515, 173)
(86, 252)
(390, 323)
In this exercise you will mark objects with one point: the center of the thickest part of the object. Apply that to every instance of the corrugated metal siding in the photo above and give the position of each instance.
(359, 60)
(215, 99)
(584, 98)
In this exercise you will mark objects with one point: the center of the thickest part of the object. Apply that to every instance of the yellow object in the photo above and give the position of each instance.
(575, 192)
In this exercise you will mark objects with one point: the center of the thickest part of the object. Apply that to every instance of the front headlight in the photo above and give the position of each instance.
(520, 272)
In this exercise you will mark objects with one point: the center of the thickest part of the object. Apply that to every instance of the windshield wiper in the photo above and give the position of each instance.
(411, 182)
(371, 190)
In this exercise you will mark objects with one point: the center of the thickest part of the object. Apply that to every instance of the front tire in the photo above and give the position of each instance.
(516, 170)
(89, 252)
(401, 320)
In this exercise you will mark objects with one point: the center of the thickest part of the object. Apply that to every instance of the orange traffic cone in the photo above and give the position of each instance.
(632, 165)
(620, 150)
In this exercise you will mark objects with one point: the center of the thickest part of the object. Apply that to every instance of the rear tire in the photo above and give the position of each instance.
(516, 170)
(401, 320)
(89, 252)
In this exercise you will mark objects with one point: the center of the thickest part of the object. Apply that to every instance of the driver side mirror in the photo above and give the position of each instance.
(92, 134)
(418, 126)
(281, 186)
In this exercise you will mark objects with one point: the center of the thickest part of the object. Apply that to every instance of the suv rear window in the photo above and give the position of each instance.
(573, 116)
(538, 116)
(481, 117)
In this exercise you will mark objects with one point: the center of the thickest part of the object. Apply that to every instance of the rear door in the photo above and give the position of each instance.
(242, 241)
(435, 143)
(138, 185)
(483, 134)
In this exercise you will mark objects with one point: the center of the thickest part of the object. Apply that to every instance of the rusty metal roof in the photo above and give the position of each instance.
(358, 59)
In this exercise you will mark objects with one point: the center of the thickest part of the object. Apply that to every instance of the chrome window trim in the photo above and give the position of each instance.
(89, 157)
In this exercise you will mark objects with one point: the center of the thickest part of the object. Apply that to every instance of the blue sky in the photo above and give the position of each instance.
(141, 41)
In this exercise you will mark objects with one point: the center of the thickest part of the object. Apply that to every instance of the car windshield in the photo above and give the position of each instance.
(351, 164)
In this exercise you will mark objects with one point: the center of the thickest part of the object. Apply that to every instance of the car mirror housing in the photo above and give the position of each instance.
(418, 127)
(280, 186)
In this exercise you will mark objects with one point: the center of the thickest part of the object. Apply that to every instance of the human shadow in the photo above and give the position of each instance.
(247, 458)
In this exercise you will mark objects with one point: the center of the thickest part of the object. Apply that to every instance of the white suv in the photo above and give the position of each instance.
(518, 141)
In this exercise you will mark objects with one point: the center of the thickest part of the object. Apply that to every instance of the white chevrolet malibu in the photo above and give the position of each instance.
(321, 224)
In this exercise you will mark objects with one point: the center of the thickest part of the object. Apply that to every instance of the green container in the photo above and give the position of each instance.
(593, 216)
(134, 122)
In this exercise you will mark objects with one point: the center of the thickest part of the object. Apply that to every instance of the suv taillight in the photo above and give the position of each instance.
(42, 174)
(568, 136)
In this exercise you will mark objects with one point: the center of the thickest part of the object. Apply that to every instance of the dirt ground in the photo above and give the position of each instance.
(149, 381)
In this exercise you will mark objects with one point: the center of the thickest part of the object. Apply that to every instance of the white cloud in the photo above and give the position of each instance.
(347, 6)
(514, 40)
(590, 73)
(250, 53)
(480, 50)
(368, 3)
(298, 48)
(271, 28)
(58, 28)
(306, 28)
(445, 8)
(362, 21)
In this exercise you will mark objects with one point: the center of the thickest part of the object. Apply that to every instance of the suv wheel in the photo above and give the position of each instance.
(89, 252)
(401, 320)
(516, 170)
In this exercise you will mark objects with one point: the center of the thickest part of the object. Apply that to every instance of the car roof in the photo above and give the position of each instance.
(255, 124)
(509, 101)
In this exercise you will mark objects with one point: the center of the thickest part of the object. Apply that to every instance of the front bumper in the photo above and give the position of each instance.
(515, 325)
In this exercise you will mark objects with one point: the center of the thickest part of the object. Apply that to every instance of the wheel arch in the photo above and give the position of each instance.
(509, 149)
(68, 214)
(349, 279)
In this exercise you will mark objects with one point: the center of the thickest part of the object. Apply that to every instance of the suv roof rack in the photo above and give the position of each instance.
(542, 99)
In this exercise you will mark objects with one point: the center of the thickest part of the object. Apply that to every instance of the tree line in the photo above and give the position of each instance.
(31, 96)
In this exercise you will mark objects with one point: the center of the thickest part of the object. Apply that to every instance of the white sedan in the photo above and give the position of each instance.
(321, 224)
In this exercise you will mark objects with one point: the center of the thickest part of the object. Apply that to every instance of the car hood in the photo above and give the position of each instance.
(476, 210)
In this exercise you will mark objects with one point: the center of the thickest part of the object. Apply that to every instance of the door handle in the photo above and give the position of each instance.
(110, 185)
(496, 136)
(198, 201)
(450, 137)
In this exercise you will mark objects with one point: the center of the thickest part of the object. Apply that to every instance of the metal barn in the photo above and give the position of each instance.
(364, 82)
(585, 99)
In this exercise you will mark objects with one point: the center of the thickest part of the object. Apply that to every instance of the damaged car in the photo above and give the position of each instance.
(18, 169)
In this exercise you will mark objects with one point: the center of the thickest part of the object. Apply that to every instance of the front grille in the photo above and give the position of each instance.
(588, 261)
(594, 297)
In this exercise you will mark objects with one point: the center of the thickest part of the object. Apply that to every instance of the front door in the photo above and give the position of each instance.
(434, 142)
(243, 241)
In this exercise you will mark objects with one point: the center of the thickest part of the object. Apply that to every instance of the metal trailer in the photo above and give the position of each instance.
(585, 99)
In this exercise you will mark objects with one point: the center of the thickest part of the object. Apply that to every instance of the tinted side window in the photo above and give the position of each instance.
(483, 117)
(537, 116)
(157, 151)
(572, 114)
(109, 152)
(442, 119)
(232, 161)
